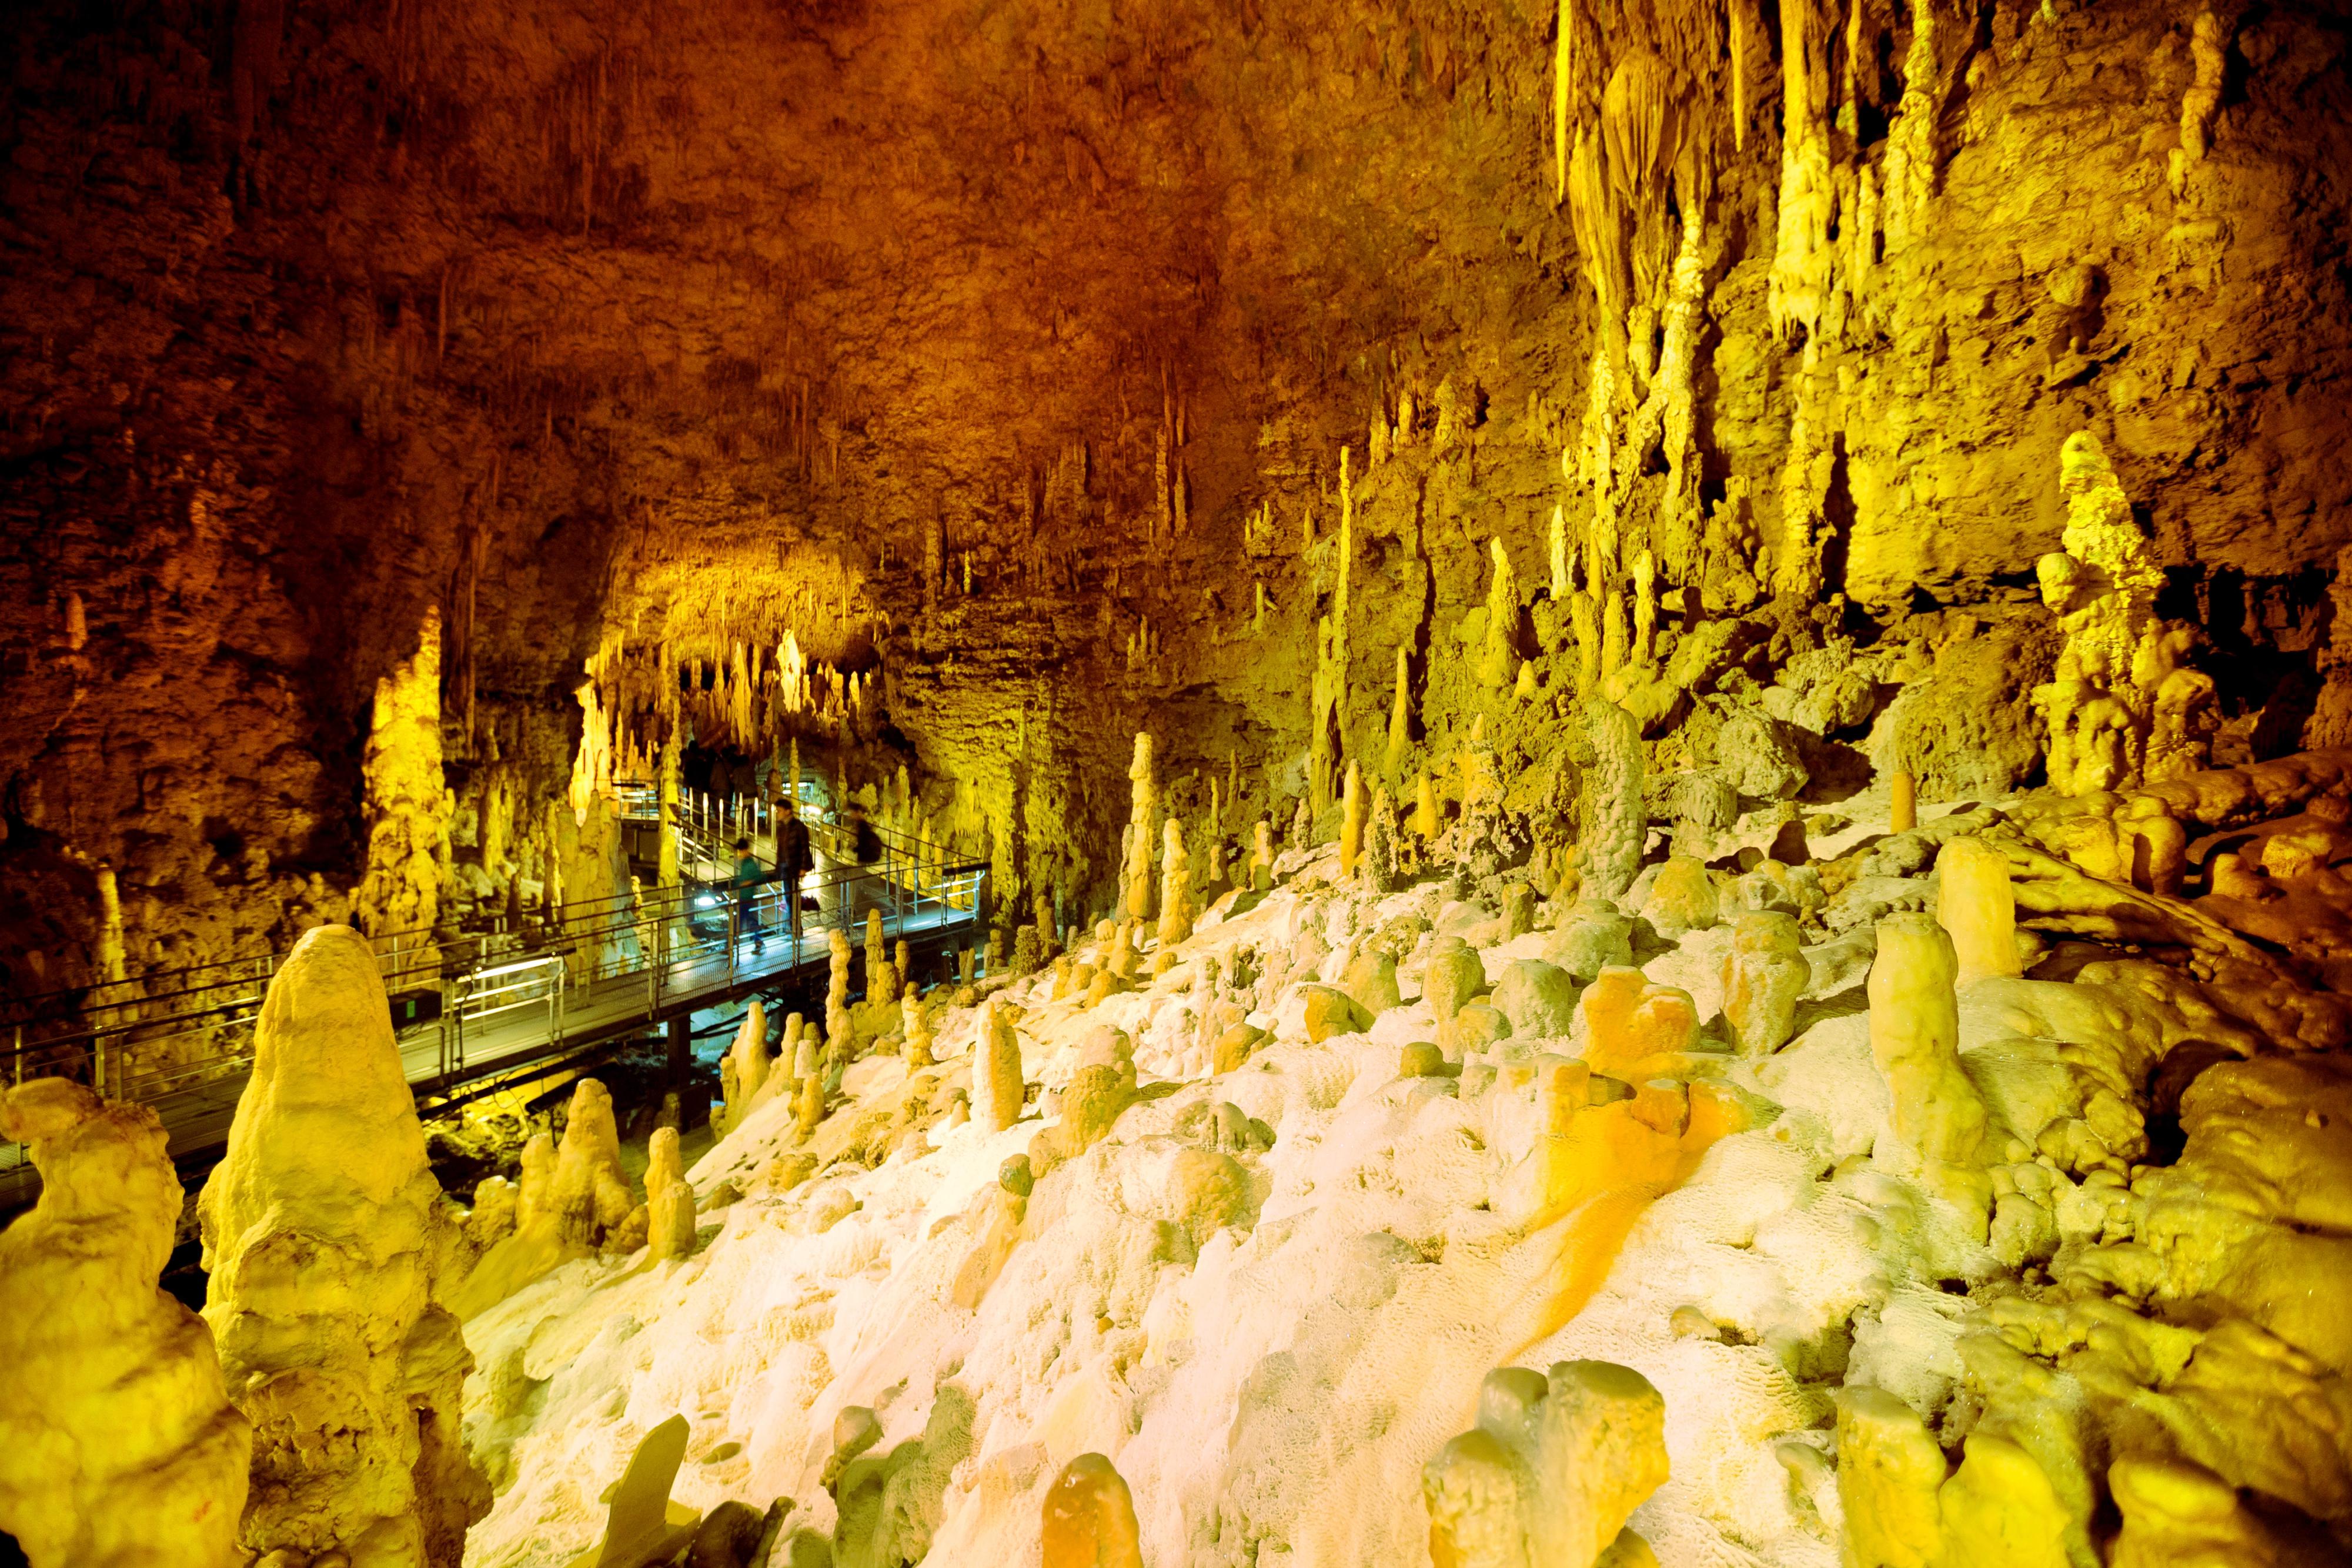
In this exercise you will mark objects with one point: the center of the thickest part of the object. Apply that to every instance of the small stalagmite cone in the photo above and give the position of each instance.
(1903, 803)
(1090, 1518)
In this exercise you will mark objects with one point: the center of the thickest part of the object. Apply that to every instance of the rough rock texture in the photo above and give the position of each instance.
(334, 320)
(325, 1238)
(122, 1446)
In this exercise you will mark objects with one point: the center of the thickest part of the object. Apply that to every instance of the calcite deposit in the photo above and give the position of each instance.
(1574, 780)
(121, 1445)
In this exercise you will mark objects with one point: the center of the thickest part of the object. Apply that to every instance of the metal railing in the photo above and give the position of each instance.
(165, 1038)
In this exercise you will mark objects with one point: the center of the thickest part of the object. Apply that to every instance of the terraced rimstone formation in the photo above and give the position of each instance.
(1555, 1466)
(118, 1446)
(320, 1230)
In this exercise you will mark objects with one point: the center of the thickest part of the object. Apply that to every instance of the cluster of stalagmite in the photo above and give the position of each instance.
(1555, 1466)
(2124, 706)
(322, 1230)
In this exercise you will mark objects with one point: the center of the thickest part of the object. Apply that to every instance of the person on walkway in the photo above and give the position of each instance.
(864, 889)
(794, 859)
(749, 874)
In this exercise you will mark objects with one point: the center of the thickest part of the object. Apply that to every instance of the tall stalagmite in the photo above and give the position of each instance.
(320, 1230)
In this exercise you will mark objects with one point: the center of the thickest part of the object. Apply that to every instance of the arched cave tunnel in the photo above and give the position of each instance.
(1002, 782)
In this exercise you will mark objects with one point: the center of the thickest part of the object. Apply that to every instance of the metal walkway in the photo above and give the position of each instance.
(491, 1002)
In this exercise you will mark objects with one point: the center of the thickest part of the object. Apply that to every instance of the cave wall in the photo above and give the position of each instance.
(1010, 351)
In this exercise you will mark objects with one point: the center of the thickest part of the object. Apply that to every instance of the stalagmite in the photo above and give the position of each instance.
(1498, 659)
(1089, 1518)
(918, 1028)
(113, 962)
(996, 1077)
(749, 1056)
(408, 806)
(1629, 1022)
(667, 870)
(1351, 820)
(837, 1026)
(1176, 911)
(318, 1230)
(122, 1449)
(1938, 1118)
(669, 1202)
(1902, 803)
(1763, 977)
(1424, 808)
(881, 978)
(1262, 855)
(1140, 828)
(1617, 820)
(1562, 579)
(591, 767)
(1551, 1473)
(1379, 864)
(1976, 905)
(1400, 738)
(2121, 706)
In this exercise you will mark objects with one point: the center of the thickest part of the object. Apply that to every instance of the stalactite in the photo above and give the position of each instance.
(1740, 24)
(1595, 469)
(1799, 282)
(1563, 63)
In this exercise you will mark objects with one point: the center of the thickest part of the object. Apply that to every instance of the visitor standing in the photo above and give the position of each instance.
(749, 874)
(793, 861)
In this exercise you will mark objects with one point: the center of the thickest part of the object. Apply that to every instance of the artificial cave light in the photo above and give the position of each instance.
(1563, 788)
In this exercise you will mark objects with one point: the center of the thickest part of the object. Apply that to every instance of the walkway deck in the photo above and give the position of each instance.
(519, 1007)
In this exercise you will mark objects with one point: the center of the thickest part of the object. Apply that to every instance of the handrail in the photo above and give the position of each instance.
(653, 941)
(154, 1044)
